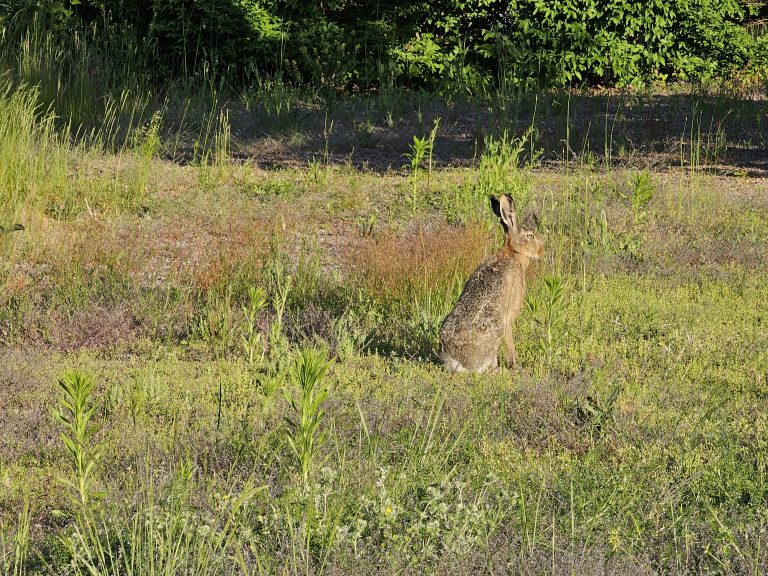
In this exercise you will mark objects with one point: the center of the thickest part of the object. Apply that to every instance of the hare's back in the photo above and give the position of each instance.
(479, 304)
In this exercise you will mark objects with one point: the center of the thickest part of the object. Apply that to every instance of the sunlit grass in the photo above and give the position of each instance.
(186, 285)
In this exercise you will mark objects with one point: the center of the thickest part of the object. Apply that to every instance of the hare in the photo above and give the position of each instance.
(491, 300)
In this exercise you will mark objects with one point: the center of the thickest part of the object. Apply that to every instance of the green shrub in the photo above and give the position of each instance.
(449, 45)
(619, 42)
(210, 36)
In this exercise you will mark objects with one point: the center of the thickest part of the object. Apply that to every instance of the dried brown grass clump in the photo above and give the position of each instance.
(397, 268)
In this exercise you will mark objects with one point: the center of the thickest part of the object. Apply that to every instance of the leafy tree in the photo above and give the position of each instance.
(463, 45)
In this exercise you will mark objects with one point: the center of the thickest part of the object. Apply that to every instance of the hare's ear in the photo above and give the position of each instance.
(531, 221)
(504, 208)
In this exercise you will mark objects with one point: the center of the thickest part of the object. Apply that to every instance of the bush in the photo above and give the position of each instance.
(619, 42)
(462, 45)
(226, 38)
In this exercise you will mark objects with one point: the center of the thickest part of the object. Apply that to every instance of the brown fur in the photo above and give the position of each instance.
(491, 300)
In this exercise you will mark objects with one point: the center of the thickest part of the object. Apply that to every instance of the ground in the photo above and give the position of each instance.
(631, 439)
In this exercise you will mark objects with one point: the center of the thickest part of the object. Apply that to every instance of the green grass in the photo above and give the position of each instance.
(630, 440)
(631, 435)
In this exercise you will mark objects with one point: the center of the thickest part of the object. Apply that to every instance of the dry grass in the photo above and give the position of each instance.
(398, 268)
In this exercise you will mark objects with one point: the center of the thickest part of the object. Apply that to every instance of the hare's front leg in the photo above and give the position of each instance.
(509, 343)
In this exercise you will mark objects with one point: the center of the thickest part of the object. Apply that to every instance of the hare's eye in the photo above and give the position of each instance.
(530, 235)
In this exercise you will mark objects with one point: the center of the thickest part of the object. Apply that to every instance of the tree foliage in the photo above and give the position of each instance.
(461, 44)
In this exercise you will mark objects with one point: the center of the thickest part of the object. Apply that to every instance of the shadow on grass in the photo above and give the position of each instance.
(608, 129)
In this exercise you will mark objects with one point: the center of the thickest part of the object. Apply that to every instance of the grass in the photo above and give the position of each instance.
(192, 290)
(630, 437)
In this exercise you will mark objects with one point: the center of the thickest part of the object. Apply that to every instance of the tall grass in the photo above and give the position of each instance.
(25, 136)
(15, 550)
(76, 74)
(33, 162)
(157, 539)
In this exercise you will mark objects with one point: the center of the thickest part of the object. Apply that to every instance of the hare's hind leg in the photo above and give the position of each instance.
(509, 344)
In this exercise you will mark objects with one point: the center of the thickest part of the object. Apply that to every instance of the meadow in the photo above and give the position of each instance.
(218, 332)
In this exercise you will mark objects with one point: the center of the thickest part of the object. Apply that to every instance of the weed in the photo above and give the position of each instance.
(74, 412)
(251, 339)
(306, 400)
(32, 153)
(280, 284)
(211, 148)
(598, 413)
(641, 192)
(215, 324)
(365, 134)
(158, 540)
(327, 131)
(431, 149)
(499, 172)
(499, 168)
(546, 307)
(277, 98)
(419, 149)
(703, 147)
(604, 232)
(268, 385)
(222, 140)
(318, 173)
(352, 333)
(367, 224)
